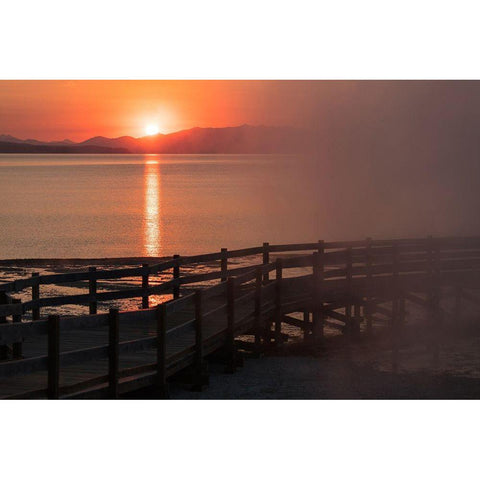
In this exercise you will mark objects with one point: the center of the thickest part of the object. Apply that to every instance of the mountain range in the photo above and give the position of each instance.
(227, 140)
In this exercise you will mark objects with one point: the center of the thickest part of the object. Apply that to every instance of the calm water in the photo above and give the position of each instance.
(153, 205)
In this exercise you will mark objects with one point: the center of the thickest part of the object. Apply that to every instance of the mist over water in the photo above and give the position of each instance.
(67, 206)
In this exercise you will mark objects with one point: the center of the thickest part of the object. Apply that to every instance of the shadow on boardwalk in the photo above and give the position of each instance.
(289, 374)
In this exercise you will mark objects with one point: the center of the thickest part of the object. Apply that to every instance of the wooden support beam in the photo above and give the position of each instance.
(92, 290)
(336, 316)
(4, 299)
(337, 326)
(53, 356)
(162, 387)
(113, 351)
(295, 322)
(176, 275)
(35, 296)
(224, 264)
(266, 260)
(200, 372)
(278, 300)
(17, 346)
(318, 276)
(231, 348)
(258, 310)
(145, 284)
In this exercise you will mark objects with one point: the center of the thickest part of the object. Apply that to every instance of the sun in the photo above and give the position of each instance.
(151, 129)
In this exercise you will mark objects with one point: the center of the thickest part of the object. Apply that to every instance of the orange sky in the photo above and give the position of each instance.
(55, 110)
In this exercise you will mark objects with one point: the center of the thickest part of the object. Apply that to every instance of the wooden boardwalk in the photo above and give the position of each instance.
(350, 286)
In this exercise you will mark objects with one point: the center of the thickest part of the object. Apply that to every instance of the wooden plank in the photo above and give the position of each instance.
(113, 352)
(293, 247)
(19, 332)
(145, 279)
(92, 291)
(231, 325)
(278, 300)
(161, 267)
(176, 275)
(258, 310)
(266, 260)
(74, 357)
(245, 252)
(180, 303)
(78, 323)
(295, 322)
(35, 296)
(207, 257)
(23, 367)
(53, 356)
(11, 309)
(198, 332)
(161, 373)
(223, 264)
(17, 346)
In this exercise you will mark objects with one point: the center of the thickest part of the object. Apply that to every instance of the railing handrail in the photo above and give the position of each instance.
(469, 247)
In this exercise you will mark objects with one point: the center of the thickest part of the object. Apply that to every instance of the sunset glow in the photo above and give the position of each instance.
(151, 129)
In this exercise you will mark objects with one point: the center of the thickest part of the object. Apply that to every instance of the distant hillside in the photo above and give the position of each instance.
(11, 147)
(229, 140)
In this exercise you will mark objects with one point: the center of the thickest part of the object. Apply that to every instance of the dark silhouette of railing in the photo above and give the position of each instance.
(342, 285)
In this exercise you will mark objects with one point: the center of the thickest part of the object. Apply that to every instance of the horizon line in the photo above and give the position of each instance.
(154, 135)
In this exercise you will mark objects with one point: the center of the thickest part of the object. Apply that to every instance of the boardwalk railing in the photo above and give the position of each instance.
(348, 276)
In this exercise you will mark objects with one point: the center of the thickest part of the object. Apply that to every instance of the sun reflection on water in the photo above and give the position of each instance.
(152, 208)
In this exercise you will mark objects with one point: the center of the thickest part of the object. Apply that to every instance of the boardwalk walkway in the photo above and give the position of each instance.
(350, 286)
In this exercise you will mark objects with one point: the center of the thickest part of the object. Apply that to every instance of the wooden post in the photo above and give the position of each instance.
(368, 274)
(266, 260)
(278, 300)
(35, 296)
(17, 347)
(258, 311)
(176, 276)
(92, 290)
(224, 264)
(113, 351)
(318, 264)
(3, 319)
(198, 333)
(162, 386)
(145, 282)
(348, 304)
(231, 367)
(53, 356)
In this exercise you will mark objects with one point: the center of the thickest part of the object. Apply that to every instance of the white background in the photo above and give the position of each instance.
(240, 40)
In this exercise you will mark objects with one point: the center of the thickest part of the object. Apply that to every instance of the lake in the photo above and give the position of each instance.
(64, 206)
(92, 206)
